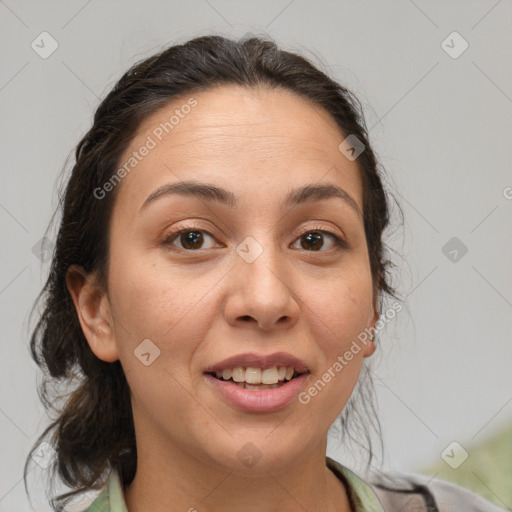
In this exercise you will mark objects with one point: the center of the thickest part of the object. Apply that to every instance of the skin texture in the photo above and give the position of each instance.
(203, 305)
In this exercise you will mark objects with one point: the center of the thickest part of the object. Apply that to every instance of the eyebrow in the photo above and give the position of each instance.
(307, 193)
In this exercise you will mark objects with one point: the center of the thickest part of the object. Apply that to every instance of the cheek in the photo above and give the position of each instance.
(165, 309)
(338, 312)
(166, 304)
(148, 297)
(329, 389)
(343, 304)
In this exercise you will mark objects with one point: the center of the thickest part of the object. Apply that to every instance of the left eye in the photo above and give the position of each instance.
(191, 239)
(315, 238)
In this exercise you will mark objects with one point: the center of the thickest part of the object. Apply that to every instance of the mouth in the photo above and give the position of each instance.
(258, 383)
(254, 378)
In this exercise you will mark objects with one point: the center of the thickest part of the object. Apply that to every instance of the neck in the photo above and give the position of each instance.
(174, 481)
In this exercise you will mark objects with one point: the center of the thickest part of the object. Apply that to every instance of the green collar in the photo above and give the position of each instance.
(361, 496)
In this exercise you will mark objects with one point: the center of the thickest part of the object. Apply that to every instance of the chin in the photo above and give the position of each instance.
(253, 452)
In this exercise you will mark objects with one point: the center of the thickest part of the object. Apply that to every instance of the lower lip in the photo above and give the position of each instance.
(258, 400)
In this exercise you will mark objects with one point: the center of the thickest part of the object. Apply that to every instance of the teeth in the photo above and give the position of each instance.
(269, 376)
(238, 374)
(255, 376)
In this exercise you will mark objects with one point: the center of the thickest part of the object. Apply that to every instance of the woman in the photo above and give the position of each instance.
(216, 287)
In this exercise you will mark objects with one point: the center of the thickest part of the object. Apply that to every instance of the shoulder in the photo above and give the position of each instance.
(415, 492)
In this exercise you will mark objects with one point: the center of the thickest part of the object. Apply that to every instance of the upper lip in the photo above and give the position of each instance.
(259, 361)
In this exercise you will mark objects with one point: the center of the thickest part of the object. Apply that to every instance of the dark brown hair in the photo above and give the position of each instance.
(93, 430)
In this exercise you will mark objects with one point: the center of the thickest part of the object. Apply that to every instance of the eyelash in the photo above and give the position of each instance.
(171, 237)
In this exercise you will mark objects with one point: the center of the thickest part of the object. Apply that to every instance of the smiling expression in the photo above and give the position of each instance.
(254, 172)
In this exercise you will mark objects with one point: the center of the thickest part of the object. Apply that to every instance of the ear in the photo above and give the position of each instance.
(93, 310)
(371, 346)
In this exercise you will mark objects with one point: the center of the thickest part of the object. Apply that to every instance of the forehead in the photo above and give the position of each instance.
(242, 138)
(232, 115)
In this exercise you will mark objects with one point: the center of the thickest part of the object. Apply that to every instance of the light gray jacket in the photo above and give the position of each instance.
(412, 492)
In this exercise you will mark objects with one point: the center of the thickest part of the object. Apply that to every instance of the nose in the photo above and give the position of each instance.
(260, 293)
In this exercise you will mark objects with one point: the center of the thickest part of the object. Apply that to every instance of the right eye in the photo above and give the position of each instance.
(189, 237)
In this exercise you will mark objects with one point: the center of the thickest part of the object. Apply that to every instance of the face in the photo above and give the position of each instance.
(251, 273)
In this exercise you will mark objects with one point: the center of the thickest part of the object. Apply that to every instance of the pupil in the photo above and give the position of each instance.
(191, 238)
(313, 239)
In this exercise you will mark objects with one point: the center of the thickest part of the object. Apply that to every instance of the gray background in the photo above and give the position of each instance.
(441, 126)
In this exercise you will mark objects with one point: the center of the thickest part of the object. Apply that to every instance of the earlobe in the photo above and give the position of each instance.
(94, 314)
(371, 346)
